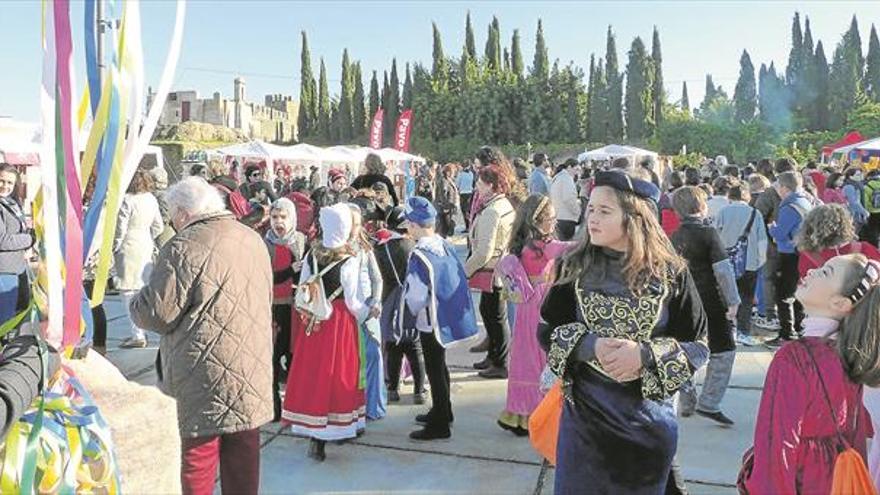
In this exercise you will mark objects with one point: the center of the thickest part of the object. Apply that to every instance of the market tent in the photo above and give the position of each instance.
(613, 151)
(847, 151)
(19, 142)
(852, 137)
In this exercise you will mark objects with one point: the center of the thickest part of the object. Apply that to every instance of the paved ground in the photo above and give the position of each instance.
(480, 457)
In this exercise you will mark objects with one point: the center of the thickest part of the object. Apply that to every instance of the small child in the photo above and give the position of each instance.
(818, 378)
(286, 250)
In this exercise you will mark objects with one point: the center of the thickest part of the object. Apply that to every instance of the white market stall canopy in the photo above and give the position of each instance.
(613, 151)
(312, 154)
(869, 144)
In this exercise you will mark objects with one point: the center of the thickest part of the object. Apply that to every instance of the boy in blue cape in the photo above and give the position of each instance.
(437, 304)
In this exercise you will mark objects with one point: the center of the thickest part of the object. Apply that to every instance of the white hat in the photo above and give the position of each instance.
(335, 225)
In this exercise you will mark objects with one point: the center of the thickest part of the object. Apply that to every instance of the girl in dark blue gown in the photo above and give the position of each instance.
(625, 329)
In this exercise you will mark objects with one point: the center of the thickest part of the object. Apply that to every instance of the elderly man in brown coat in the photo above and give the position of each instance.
(210, 298)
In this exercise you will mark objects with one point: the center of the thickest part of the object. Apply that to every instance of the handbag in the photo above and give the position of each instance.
(738, 253)
(544, 423)
(482, 280)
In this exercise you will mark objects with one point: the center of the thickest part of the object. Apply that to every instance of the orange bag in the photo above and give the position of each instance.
(851, 476)
(544, 423)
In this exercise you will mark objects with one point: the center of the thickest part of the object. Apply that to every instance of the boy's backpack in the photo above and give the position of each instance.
(738, 253)
(235, 201)
(871, 196)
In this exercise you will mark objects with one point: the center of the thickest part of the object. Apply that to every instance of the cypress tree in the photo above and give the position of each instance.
(711, 93)
(614, 81)
(470, 46)
(745, 96)
(599, 107)
(685, 102)
(406, 99)
(821, 112)
(541, 63)
(375, 102)
(359, 114)
(306, 120)
(658, 92)
(385, 95)
(638, 92)
(506, 58)
(855, 44)
(806, 97)
(439, 70)
(392, 106)
(346, 115)
(795, 55)
(323, 104)
(844, 86)
(493, 48)
(762, 93)
(591, 86)
(872, 67)
(516, 60)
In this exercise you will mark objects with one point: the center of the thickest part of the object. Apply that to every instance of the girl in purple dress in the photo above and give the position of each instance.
(527, 274)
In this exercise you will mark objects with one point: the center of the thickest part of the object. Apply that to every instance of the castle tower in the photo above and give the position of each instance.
(238, 97)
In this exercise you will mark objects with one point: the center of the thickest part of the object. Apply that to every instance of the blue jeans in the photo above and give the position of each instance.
(8, 295)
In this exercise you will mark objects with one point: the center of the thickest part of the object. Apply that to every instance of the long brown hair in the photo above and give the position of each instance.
(649, 253)
(525, 227)
(858, 340)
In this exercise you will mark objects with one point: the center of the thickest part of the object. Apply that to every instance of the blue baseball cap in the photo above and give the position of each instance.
(420, 211)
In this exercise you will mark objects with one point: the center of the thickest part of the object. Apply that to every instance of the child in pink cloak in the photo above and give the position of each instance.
(527, 274)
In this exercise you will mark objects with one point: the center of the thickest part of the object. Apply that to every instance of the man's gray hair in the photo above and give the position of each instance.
(790, 180)
(194, 196)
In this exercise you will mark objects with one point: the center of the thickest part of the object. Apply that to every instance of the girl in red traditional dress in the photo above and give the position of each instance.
(811, 407)
(324, 400)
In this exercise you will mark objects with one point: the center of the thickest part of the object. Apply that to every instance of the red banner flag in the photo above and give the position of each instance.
(404, 128)
(376, 130)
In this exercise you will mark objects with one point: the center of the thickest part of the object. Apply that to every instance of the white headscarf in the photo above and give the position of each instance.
(335, 225)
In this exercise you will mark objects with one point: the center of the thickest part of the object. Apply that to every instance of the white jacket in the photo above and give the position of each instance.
(564, 196)
(139, 223)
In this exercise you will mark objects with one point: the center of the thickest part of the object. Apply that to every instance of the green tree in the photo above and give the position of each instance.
(854, 43)
(470, 46)
(307, 118)
(439, 71)
(324, 116)
(710, 94)
(685, 101)
(598, 116)
(821, 114)
(359, 115)
(794, 71)
(375, 102)
(493, 47)
(541, 62)
(345, 118)
(745, 96)
(639, 102)
(844, 87)
(773, 99)
(406, 99)
(392, 106)
(872, 67)
(614, 81)
(865, 118)
(516, 59)
(659, 93)
(591, 86)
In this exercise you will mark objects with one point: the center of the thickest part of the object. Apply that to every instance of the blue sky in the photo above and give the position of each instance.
(260, 39)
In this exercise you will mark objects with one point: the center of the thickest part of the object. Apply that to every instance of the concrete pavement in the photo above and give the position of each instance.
(480, 457)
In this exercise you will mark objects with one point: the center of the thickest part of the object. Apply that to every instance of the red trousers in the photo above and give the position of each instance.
(238, 455)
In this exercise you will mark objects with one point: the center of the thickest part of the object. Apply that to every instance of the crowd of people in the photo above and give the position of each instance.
(299, 302)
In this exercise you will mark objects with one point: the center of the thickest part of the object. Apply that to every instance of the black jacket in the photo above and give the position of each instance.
(700, 245)
(399, 250)
(21, 371)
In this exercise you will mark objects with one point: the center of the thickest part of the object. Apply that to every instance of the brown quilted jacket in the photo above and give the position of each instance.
(210, 297)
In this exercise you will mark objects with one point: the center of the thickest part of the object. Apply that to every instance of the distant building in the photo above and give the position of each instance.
(274, 121)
